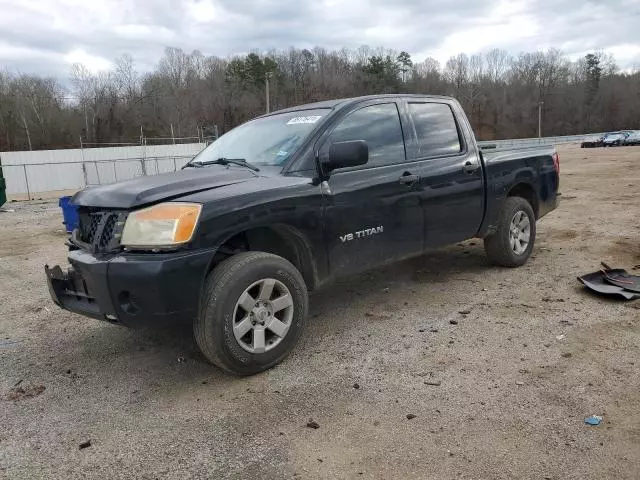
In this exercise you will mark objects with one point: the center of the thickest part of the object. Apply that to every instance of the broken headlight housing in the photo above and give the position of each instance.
(165, 225)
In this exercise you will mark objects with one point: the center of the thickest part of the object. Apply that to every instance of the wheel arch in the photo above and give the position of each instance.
(279, 239)
(525, 190)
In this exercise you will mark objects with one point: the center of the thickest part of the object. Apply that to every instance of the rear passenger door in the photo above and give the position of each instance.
(372, 212)
(451, 179)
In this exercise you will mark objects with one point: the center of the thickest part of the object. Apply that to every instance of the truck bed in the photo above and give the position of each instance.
(499, 155)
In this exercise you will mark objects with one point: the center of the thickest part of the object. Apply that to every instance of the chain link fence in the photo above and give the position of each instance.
(34, 174)
(31, 174)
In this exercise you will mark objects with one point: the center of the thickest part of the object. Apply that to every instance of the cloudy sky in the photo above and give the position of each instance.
(47, 36)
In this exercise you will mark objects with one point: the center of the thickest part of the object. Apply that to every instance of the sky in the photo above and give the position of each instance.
(46, 37)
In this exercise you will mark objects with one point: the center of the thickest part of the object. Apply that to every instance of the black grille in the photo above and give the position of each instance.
(101, 230)
(89, 223)
(107, 231)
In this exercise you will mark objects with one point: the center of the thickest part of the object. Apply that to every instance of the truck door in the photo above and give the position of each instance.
(451, 179)
(372, 212)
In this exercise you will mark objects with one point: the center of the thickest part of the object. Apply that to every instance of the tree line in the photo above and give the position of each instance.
(190, 94)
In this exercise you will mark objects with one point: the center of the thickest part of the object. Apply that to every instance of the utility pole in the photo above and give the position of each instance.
(267, 76)
(540, 119)
(86, 123)
(84, 165)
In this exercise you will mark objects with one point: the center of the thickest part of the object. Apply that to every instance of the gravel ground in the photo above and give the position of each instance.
(438, 367)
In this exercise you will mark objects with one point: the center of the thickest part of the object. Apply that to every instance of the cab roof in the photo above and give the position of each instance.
(343, 102)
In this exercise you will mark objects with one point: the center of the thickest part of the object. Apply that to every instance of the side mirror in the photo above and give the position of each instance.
(347, 154)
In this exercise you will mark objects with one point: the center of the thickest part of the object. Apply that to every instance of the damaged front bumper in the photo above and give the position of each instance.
(130, 288)
(68, 291)
(83, 288)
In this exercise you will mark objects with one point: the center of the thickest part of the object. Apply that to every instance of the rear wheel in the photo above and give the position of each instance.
(512, 242)
(252, 312)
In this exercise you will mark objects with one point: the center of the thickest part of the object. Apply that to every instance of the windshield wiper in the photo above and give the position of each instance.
(223, 161)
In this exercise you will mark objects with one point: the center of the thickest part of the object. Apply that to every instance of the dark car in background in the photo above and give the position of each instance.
(614, 139)
(632, 138)
(592, 142)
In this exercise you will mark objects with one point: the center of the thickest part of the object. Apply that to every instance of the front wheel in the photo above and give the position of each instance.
(252, 312)
(512, 242)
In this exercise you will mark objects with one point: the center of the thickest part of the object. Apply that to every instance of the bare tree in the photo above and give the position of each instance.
(189, 93)
(456, 71)
(498, 62)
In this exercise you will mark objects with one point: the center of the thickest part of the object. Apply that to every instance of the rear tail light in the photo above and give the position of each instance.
(556, 162)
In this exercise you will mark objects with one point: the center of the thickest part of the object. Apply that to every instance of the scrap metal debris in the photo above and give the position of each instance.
(613, 281)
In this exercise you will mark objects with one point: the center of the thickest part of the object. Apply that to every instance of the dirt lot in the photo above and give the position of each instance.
(501, 394)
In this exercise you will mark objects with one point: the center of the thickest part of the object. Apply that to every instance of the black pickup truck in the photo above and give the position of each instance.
(287, 202)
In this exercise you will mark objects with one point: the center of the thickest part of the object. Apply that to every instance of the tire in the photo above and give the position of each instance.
(498, 246)
(221, 309)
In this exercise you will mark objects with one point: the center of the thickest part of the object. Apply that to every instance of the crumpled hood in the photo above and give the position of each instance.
(146, 190)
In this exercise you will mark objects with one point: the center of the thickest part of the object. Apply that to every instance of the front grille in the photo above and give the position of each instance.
(107, 232)
(89, 223)
(101, 230)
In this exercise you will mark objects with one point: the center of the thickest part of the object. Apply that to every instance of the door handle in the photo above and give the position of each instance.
(470, 167)
(408, 179)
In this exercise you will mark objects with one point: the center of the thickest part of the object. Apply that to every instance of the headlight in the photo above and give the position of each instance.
(163, 225)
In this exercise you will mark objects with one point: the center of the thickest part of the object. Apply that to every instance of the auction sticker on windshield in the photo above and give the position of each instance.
(309, 119)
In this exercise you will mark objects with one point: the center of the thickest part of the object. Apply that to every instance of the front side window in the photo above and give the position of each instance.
(436, 129)
(379, 126)
(265, 141)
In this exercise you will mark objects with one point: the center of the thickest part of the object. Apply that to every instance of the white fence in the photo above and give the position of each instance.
(28, 173)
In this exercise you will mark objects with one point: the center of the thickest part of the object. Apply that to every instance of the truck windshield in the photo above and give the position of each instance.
(264, 141)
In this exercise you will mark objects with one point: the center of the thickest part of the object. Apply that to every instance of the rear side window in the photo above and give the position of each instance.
(379, 126)
(436, 129)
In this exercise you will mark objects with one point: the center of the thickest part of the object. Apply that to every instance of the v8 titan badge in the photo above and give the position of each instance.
(367, 232)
